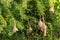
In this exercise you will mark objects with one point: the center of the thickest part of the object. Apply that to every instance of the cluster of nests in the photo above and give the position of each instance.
(41, 24)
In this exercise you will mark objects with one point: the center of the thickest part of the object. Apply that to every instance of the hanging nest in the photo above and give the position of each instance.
(51, 9)
(29, 30)
(15, 29)
(42, 26)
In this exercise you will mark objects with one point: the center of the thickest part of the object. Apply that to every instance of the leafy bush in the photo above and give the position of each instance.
(26, 14)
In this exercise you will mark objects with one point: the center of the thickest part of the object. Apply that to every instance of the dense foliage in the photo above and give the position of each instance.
(26, 14)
